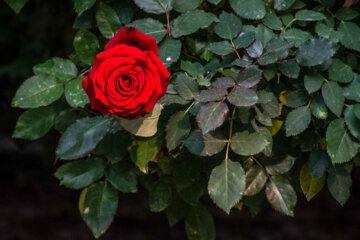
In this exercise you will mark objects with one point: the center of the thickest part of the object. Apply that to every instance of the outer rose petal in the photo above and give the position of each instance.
(95, 104)
(133, 37)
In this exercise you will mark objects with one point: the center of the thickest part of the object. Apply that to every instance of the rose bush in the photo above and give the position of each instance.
(262, 102)
(128, 78)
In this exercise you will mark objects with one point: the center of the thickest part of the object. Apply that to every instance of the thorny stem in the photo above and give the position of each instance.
(287, 26)
(85, 72)
(235, 50)
(230, 134)
(331, 13)
(168, 28)
(188, 109)
(260, 165)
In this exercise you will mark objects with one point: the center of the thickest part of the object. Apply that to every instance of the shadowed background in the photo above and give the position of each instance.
(34, 206)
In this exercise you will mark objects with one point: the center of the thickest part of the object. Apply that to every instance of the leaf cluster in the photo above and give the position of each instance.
(264, 102)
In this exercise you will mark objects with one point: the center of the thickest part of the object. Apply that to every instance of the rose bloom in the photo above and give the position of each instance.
(128, 78)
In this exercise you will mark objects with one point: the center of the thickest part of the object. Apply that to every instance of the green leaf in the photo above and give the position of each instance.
(327, 32)
(278, 45)
(341, 147)
(352, 122)
(155, 6)
(339, 183)
(272, 107)
(195, 69)
(98, 205)
(86, 46)
(160, 195)
(351, 35)
(263, 117)
(264, 34)
(82, 137)
(36, 91)
(283, 5)
(169, 99)
(169, 51)
(107, 20)
(242, 97)
(211, 116)
(244, 39)
(176, 211)
(16, 5)
(298, 4)
(313, 82)
(254, 9)
(297, 98)
(213, 94)
(223, 82)
(319, 162)
(241, 62)
(290, 69)
(352, 91)
(64, 119)
(246, 144)
(190, 22)
(186, 87)
(272, 21)
(144, 150)
(145, 126)
(151, 27)
(281, 195)
(82, 173)
(229, 26)
(265, 96)
(114, 146)
(318, 107)
(249, 77)
(75, 94)
(340, 72)
(309, 15)
(205, 145)
(220, 48)
(309, 185)
(296, 36)
(85, 20)
(34, 123)
(297, 121)
(124, 9)
(122, 176)
(333, 96)
(83, 5)
(256, 49)
(255, 180)
(356, 110)
(279, 166)
(227, 184)
(199, 224)
(315, 52)
(192, 194)
(177, 129)
(346, 14)
(63, 69)
(185, 5)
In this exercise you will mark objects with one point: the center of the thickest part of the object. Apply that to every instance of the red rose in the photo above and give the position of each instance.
(127, 78)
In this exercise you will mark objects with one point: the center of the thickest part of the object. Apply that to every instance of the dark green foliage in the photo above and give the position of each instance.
(263, 102)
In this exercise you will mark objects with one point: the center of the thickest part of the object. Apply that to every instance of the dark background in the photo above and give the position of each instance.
(34, 206)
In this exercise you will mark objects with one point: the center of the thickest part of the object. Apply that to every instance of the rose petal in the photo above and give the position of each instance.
(133, 37)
